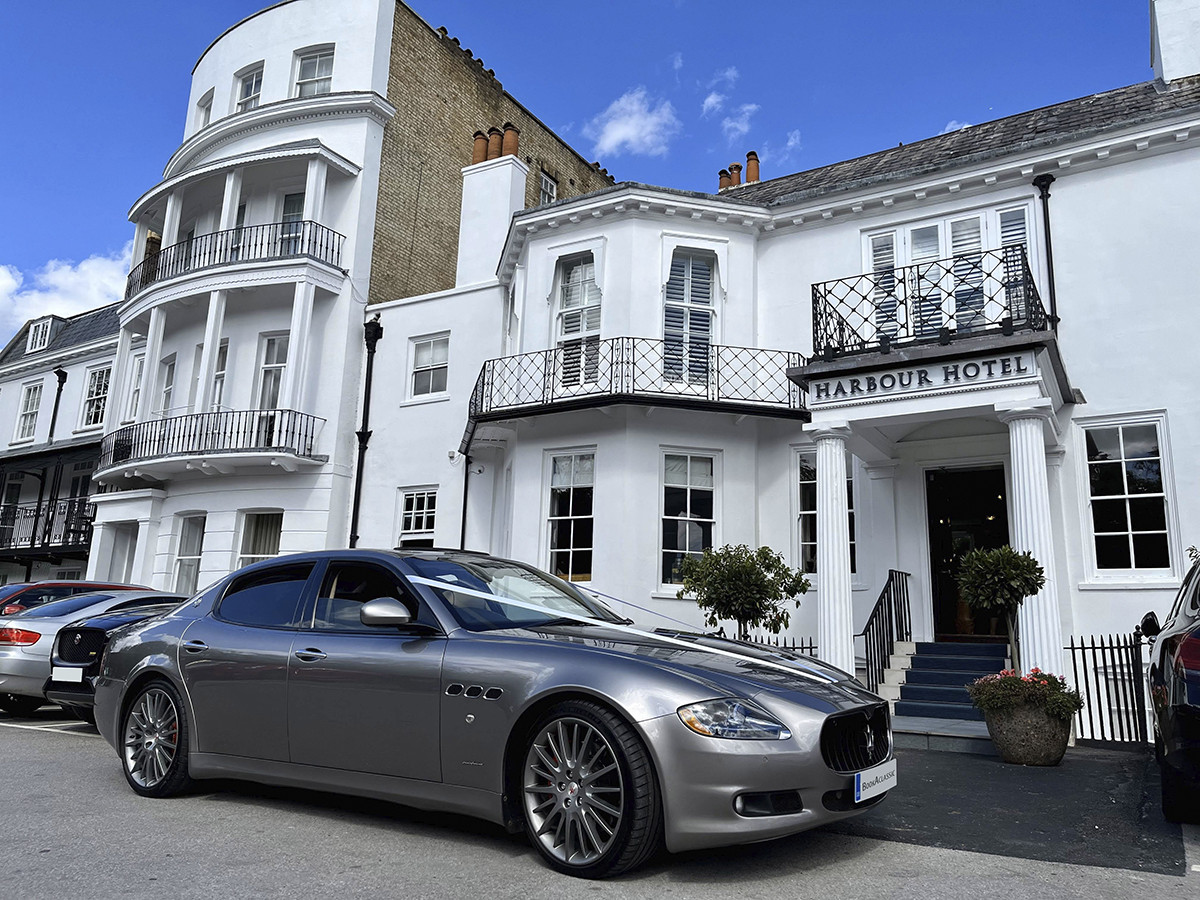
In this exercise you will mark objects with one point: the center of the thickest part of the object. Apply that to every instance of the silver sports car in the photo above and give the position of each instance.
(456, 681)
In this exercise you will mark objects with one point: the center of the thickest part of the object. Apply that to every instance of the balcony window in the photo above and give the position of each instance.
(218, 386)
(31, 401)
(95, 398)
(260, 537)
(167, 367)
(578, 320)
(688, 317)
(191, 548)
(135, 387)
(417, 517)
(570, 522)
(291, 229)
(688, 510)
(249, 89)
(315, 74)
(274, 364)
(431, 365)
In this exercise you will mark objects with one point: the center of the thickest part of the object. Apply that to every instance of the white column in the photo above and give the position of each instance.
(1040, 629)
(140, 234)
(144, 550)
(314, 190)
(835, 610)
(208, 354)
(116, 381)
(230, 200)
(100, 554)
(170, 233)
(291, 394)
(154, 338)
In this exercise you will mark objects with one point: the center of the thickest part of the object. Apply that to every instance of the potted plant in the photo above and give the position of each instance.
(998, 581)
(751, 587)
(1028, 716)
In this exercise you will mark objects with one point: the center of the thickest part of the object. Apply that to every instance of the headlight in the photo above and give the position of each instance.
(734, 719)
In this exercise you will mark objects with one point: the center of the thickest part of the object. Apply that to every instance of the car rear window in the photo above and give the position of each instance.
(64, 607)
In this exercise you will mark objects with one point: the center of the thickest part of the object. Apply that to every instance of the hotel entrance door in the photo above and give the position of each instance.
(967, 511)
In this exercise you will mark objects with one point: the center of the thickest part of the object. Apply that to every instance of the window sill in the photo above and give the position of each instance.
(1164, 583)
(670, 595)
(21, 442)
(422, 400)
(90, 429)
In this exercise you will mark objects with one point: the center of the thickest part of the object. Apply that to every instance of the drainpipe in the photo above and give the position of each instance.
(1042, 183)
(462, 528)
(372, 333)
(61, 374)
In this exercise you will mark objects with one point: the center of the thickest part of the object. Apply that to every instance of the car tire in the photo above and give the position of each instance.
(20, 705)
(590, 798)
(154, 741)
(1180, 797)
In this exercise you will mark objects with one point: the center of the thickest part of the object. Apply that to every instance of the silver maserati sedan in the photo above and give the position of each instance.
(456, 681)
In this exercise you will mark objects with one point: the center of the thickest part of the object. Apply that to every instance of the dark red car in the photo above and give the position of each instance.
(26, 594)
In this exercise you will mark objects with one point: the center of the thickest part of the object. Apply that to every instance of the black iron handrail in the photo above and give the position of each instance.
(974, 293)
(890, 621)
(650, 368)
(238, 431)
(278, 240)
(58, 523)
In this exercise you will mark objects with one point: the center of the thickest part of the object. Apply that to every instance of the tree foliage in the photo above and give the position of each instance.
(751, 587)
(998, 581)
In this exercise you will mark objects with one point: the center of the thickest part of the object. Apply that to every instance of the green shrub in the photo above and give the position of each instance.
(750, 587)
(1008, 690)
(998, 581)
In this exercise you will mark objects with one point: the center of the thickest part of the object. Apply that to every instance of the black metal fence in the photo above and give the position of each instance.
(639, 368)
(988, 290)
(60, 523)
(804, 645)
(278, 240)
(1109, 671)
(890, 621)
(280, 430)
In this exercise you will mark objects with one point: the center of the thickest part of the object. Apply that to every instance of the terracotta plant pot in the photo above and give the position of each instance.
(1028, 736)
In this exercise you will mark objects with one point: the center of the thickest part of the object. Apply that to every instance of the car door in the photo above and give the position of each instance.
(365, 698)
(235, 663)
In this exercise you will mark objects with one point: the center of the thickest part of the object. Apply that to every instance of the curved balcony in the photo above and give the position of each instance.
(250, 243)
(648, 371)
(214, 443)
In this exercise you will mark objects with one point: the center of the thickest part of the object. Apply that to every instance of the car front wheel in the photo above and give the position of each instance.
(589, 793)
(154, 739)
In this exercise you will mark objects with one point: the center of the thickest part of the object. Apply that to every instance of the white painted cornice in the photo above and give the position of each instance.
(272, 115)
(46, 363)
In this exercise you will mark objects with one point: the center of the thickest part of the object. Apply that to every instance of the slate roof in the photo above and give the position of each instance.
(1037, 129)
(81, 329)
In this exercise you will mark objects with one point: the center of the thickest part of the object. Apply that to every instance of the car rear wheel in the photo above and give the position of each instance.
(589, 794)
(18, 705)
(154, 739)
(1180, 797)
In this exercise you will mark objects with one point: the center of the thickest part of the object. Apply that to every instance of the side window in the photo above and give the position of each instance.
(270, 598)
(346, 587)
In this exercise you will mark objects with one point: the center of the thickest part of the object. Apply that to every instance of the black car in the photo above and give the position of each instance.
(1175, 697)
(78, 648)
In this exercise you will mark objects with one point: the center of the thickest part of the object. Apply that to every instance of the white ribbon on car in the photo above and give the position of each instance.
(794, 669)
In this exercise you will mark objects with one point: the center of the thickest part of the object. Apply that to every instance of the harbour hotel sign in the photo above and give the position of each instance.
(948, 377)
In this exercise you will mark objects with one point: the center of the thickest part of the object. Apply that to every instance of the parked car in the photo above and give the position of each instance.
(452, 680)
(27, 637)
(78, 649)
(1175, 699)
(28, 594)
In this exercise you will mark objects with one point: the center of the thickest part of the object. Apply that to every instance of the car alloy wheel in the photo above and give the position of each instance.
(154, 742)
(589, 793)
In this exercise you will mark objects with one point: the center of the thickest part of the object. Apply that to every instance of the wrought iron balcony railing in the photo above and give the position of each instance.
(989, 290)
(667, 372)
(204, 434)
(279, 240)
(45, 526)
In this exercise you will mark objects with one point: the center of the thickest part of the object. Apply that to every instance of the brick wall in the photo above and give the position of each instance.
(442, 97)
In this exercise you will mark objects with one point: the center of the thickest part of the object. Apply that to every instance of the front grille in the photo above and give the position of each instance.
(81, 645)
(856, 740)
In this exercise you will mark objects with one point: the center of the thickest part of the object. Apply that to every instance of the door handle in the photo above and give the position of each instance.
(310, 655)
(195, 646)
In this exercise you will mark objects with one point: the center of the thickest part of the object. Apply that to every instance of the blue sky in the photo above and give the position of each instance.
(660, 91)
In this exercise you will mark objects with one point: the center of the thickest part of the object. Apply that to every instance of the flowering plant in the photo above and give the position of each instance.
(1008, 690)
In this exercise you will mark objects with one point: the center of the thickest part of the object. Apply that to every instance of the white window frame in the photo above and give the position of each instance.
(690, 452)
(137, 373)
(243, 557)
(577, 352)
(167, 369)
(27, 412)
(312, 53)
(407, 518)
(1096, 578)
(204, 108)
(681, 364)
(246, 102)
(220, 370)
(39, 336)
(548, 518)
(547, 188)
(414, 344)
(809, 455)
(95, 401)
(187, 520)
(264, 341)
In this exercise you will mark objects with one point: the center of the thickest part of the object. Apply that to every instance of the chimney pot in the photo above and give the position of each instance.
(479, 151)
(723, 180)
(495, 143)
(735, 174)
(511, 139)
(751, 167)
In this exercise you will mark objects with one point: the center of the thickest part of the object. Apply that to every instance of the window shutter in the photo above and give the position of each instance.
(1013, 229)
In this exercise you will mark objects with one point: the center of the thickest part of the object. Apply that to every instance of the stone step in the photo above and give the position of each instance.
(899, 661)
(889, 691)
(950, 648)
(984, 665)
(936, 710)
(937, 693)
(941, 676)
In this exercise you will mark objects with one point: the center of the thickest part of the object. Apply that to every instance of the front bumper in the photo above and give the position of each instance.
(702, 777)
(67, 694)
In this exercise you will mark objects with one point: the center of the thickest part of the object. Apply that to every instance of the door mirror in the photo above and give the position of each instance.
(1150, 626)
(385, 611)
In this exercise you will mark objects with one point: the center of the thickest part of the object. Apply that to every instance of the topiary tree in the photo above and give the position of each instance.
(750, 587)
(999, 581)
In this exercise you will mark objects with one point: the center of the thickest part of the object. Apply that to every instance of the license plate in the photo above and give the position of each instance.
(874, 781)
(66, 673)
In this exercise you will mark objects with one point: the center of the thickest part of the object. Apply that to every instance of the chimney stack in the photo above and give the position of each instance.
(723, 180)
(511, 139)
(751, 167)
(1174, 38)
(495, 143)
(480, 150)
(735, 174)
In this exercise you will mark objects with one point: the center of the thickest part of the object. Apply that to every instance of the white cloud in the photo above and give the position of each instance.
(712, 103)
(738, 124)
(793, 140)
(727, 77)
(954, 125)
(60, 288)
(677, 61)
(634, 123)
